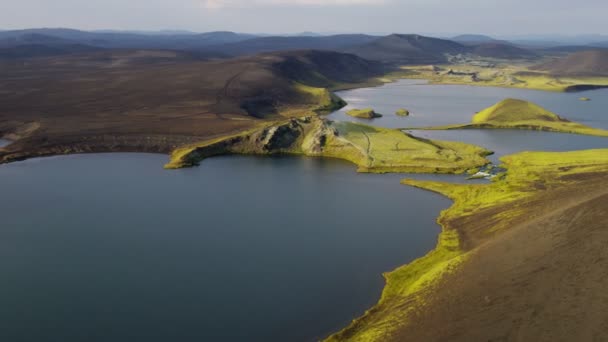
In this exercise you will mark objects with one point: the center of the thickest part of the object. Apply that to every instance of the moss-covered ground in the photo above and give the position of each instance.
(402, 112)
(372, 149)
(519, 114)
(500, 75)
(366, 113)
(495, 207)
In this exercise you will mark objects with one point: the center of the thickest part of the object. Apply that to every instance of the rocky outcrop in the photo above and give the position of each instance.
(307, 135)
(372, 149)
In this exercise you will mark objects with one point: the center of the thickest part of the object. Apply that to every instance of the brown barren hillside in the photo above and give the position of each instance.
(142, 100)
(586, 63)
(521, 258)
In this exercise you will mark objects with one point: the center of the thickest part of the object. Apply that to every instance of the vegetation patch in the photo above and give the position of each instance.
(519, 114)
(497, 206)
(366, 113)
(372, 149)
(504, 75)
(402, 112)
(326, 100)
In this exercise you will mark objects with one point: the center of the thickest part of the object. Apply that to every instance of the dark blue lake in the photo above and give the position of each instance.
(111, 247)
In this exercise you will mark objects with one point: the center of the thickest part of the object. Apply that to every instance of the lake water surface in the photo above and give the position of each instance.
(437, 105)
(111, 247)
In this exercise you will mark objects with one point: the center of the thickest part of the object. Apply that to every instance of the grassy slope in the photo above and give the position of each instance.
(371, 149)
(518, 114)
(409, 288)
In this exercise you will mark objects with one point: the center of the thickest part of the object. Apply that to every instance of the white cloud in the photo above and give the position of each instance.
(215, 4)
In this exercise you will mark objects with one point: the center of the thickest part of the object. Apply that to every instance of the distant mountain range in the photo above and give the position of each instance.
(395, 48)
(125, 39)
(272, 44)
(474, 39)
(407, 48)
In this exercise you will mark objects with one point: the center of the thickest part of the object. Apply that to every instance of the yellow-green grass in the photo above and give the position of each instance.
(409, 289)
(511, 110)
(372, 149)
(519, 114)
(325, 100)
(390, 150)
(402, 112)
(502, 75)
(366, 113)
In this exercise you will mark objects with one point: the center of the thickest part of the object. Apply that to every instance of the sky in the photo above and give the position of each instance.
(492, 17)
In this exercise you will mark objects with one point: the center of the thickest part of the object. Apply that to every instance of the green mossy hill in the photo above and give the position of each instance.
(496, 207)
(366, 113)
(513, 110)
(402, 112)
(519, 114)
(372, 149)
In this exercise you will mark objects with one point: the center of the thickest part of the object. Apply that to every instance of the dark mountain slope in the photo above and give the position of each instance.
(40, 50)
(503, 51)
(131, 40)
(474, 39)
(156, 100)
(586, 63)
(273, 44)
(409, 49)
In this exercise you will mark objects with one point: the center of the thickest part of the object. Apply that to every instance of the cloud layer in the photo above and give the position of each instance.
(251, 3)
(439, 17)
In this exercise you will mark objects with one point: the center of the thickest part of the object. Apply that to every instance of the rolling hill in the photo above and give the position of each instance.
(585, 63)
(410, 49)
(474, 39)
(41, 50)
(180, 41)
(273, 44)
(501, 50)
(151, 100)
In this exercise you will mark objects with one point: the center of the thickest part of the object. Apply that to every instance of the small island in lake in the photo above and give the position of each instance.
(520, 114)
(366, 113)
(402, 112)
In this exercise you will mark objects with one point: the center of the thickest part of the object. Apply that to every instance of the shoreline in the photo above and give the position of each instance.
(480, 215)
(26, 147)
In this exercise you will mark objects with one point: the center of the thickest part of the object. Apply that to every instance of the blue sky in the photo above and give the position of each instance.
(494, 17)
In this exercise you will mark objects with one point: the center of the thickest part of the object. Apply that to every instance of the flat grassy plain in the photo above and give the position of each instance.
(499, 241)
